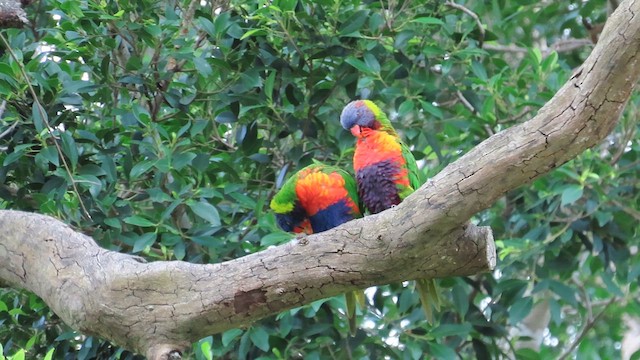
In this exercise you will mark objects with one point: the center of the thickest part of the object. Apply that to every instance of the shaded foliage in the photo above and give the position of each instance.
(163, 129)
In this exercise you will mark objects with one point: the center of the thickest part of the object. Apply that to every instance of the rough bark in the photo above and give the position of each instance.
(11, 14)
(158, 307)
(161, 307)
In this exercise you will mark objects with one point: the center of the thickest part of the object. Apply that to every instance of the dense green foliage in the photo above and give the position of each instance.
(166, 136)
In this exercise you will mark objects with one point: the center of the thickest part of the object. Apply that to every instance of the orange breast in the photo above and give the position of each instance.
(376, 146)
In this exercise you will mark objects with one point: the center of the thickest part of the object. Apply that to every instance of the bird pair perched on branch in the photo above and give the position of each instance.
(320, 197)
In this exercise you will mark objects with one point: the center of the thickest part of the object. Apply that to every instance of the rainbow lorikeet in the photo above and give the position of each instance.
(386, 172)
(315, 199)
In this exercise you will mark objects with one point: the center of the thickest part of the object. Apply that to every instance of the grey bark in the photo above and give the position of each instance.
(12, 15)
(161, 307)
(158, 307)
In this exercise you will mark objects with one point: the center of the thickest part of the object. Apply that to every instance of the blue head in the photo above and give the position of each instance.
(359, 113)
(294, 220)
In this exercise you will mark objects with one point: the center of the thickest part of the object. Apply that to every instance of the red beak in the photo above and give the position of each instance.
(356, 131)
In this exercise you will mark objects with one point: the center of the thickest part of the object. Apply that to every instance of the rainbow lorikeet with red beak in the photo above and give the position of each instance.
(315, 199)
(386, 172)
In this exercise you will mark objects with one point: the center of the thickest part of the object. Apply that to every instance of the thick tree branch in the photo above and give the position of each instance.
(160, 307)
(164, 306)
(12, 14)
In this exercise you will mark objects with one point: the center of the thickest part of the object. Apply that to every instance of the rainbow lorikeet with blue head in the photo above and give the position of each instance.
(315, 199)
(386, 172)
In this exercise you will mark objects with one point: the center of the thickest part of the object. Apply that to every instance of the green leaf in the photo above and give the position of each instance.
(609, 282)
(205, 348)
(432, 109)
(49, 354)
(275, 238)
(268, 85)
(138, 220)
(565, 292)
(113, 222)
(260, 338)
(479, 70)
(39, 116)
(371, 62)
(70, 149)
(226, 117)
(536, 55)
(527, 354)
(445, 330)
(286, 5)
(203, 66)
(460, 299)
(402, 38)
(550, 62)
(358, 64)
(439, 351)
(18, 355)
(207, 25)
(520, 309)
(18, 152)
(141, 168)
(428, 20)
(354, 23)
(143, 241)
(182, 159)
(570, 194)
(206, 211)
(603, 217)
(229, 335)
(254, 33)
(89, 182)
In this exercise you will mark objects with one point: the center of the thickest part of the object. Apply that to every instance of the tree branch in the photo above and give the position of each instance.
(560, 46)
(165, 306)
(12, 14)
(159, 308)
(473, 15)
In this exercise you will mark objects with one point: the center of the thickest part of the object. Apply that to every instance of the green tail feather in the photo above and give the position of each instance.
(429, 297)
(353, 299)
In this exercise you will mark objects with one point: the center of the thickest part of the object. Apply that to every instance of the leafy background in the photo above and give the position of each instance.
(163, 128)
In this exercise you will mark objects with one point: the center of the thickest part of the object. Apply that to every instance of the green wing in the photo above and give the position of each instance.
(284, 201)
(415, 175)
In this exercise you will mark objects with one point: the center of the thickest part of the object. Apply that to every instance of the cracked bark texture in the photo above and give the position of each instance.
(161, 307)
(12, 15)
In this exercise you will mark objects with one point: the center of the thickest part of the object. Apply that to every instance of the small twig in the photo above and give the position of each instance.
(188, 18)
(517, 116)
(173, 66)
(559, 46)
(505, 48)
(3, 106)
(586, 329)
(465, 102)
(473, 15)
(630, 211)
(628, 166)
(470, 107)
(66, 166)
(9, 130)
(569, 45)
(585, 297)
